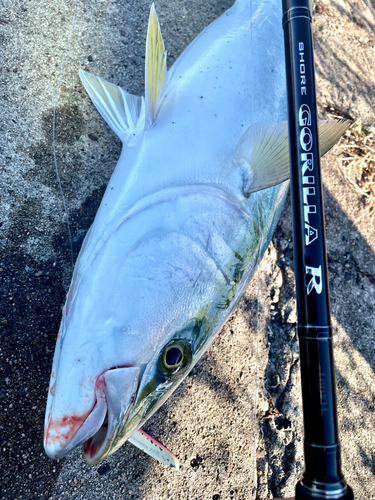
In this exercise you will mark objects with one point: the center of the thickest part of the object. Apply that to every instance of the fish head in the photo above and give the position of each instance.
(122, 349)
(101, 404)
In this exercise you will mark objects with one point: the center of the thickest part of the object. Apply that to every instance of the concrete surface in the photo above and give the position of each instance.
(209, 422)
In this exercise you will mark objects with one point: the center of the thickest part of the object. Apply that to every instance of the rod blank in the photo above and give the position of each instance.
(322, 477)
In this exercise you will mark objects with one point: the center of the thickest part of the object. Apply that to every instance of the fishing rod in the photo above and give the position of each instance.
(322, 477)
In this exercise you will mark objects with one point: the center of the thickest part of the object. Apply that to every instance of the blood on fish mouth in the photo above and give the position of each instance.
(62, 434)
(115, 394)
(64, 428)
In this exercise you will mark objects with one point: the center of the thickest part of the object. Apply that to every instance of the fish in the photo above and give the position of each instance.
(187, 215)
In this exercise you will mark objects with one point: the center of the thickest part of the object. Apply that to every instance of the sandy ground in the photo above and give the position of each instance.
(209, 422)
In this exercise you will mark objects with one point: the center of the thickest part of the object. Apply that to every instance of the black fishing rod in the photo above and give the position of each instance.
(322, 478)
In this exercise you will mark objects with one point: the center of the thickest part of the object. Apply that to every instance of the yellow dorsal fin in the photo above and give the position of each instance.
(156, 67)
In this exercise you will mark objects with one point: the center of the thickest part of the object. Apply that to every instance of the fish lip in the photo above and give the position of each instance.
(91, 424)
(120, 386)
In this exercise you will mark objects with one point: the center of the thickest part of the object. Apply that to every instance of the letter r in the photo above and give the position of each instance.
(316, 280)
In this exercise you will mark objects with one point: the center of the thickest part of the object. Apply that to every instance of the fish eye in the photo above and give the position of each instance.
(175, 357)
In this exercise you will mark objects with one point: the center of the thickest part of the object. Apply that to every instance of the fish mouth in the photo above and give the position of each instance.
(120, 389)
(99, 429)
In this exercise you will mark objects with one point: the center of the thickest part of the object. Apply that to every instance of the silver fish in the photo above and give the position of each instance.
(187, 215)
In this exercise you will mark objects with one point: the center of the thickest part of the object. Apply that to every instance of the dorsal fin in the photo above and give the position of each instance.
(156, 67)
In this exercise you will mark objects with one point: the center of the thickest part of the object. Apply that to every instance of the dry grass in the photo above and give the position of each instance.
(358, 164)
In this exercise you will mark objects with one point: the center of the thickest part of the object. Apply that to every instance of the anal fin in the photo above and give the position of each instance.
(155, 449)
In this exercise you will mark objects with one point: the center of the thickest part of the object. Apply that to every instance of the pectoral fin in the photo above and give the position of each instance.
(124, 113)
(155, 449)
(263, 151)
(330, 132)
